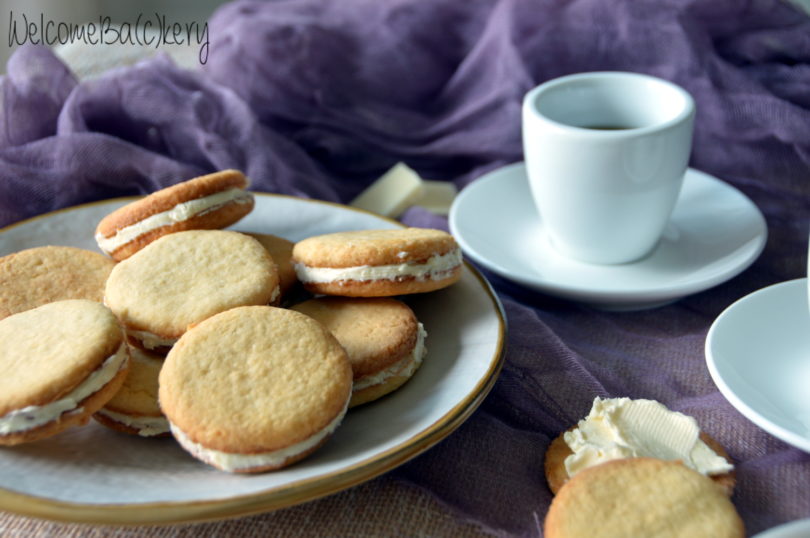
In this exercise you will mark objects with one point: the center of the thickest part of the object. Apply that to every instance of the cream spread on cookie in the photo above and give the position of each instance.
(147, 426)
(406, 366)
(436, 267)
(624, 428)
(228, 461)
(151, 340)
(34, 416)
(179, 213)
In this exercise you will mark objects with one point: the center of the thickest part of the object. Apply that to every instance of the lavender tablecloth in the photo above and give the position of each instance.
(317, 98)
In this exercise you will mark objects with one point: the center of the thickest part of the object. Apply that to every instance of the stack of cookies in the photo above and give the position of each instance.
(191, 339)
(361, 271)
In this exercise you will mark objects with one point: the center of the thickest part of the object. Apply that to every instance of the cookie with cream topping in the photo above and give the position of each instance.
(382, 337)
(378, 263)
(255, 388)
(184, 278)
(621, 428)
(61, 362)
(207, 202)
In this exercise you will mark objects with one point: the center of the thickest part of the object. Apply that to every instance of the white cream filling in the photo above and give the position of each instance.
(435, 268)
(179, 213)
(147, 426)
(275, 294)
(152, 341)
(406, 366)
(34, 416)
(228, 461)
(624, 428)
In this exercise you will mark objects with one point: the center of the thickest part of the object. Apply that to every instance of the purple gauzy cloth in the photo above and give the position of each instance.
(317, 98)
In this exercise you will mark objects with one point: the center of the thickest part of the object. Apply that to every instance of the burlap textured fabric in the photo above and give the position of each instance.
(381, 507)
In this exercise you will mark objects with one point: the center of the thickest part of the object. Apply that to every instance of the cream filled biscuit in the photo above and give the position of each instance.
(280, 250)
(255, 388)
(41, 275)
(61, 362)
(207, 202)
(619, 428)
(184, 278)
(642, 497)
(134, 409)
(378, 263)
(382, 337)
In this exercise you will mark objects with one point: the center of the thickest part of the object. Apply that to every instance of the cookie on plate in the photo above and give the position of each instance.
(255, 388)
(280, 250)
(382, 337)
(642, 497)
(37, 276)
(619, 428)
(134, 409)
(185, 277)
(61, 362)
(378, 263)
(207, 202)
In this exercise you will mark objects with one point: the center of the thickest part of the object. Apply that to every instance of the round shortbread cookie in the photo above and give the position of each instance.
(135, 409)
(186, 277)
(642, 497)
(378, 263)
(558, 450)
(255, 388)
(207, 202)
(280, 250)
(382, 337)
(61, 362)
(41, 275)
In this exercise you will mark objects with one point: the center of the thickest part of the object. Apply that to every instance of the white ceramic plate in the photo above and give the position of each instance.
(715, 232)
(94, 474)
(758, 353)
(794, 529)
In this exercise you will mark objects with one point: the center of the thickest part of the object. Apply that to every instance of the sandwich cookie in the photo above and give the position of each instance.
(620, 428)
(61, 362)
(378, 263)
(206, 202)
(642, 497)
(184, 278)
(382, 337)
(134, 409)
(255, 388)
(41, 275)
(281, 251)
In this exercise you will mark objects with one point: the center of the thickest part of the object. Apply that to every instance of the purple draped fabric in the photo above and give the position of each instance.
(317, 98)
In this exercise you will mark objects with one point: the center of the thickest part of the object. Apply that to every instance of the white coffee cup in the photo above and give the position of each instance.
(606, 153)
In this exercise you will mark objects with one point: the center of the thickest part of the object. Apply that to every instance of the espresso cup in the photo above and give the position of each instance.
(606, 154)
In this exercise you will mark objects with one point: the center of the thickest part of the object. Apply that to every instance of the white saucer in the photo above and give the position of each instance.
(715, 232)
(758, 353)
(794, 529)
